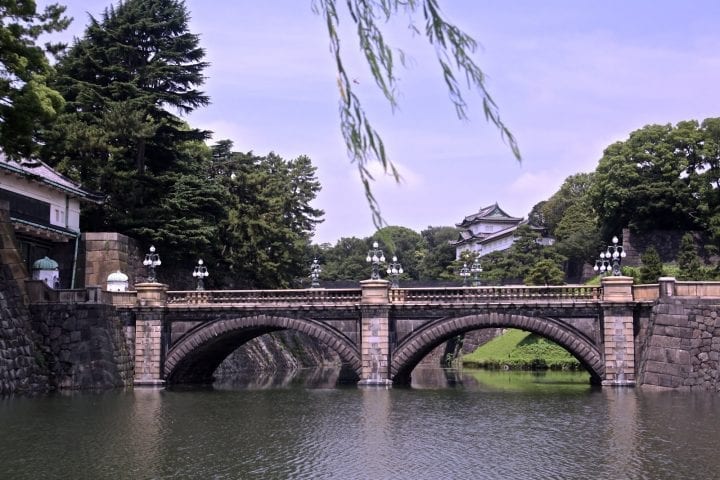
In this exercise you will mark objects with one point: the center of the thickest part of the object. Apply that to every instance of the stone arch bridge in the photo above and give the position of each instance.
(380, 333)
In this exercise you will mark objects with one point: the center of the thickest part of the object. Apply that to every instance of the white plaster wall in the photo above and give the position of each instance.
(57, 200)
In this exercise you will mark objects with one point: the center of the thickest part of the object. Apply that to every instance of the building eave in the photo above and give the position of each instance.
(45, 232)
(67, 186)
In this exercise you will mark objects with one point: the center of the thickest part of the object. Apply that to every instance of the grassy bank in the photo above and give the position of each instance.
(521, 350)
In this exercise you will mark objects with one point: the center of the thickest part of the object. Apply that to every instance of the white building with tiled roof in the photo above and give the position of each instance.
(489, 230)
(44, 206)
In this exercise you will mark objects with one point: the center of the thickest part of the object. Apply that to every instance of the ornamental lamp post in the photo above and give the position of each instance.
(394, 270)
(611, 259)
(375, 257)
(464, 273)
(315, 270)
(475, 269)
(151, 261)
(200, 273)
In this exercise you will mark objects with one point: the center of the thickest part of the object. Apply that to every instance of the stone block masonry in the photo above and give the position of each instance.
(21, 364)
(84, 345)
(104, 253)
(683, 347)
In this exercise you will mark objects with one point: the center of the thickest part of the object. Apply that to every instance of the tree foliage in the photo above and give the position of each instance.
(435, 262)
(26, 101)
(118, 134)
(644, 182)
(688, 260)
(545, 272)
(345, 260)
(652, 267)
(514, 264)
(264, 239)
(454, 49)
(426, 256)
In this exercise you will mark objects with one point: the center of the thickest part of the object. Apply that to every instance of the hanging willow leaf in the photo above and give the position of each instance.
(453, 48)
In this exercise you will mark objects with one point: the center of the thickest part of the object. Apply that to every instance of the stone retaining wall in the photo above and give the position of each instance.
(683, 346)
(21, 365)
(84, 345)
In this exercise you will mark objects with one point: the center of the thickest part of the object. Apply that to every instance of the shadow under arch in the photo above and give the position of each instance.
(412, 350)
(195, 357)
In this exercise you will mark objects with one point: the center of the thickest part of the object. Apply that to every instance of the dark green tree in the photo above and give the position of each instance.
(407, 245)
(688, 259)
(573, 190)
(122, 81)
(435, 262)
(643, 183)
(264, 241)
(651, 266)
(545, 272)
(26, 101)
(513, 265)
(185, 220)
(700, 144)
(346, 259)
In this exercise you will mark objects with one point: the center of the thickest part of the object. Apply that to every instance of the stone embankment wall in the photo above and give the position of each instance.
(21, 365)
(683, 345)
(83, 344)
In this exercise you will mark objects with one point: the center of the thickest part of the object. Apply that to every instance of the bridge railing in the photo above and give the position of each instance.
(266, 297)
(700, 289)
(646, 292)
(697, 289)
(492, 294)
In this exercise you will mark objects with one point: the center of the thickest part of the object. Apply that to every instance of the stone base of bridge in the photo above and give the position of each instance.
(618, 332)
(375, 333)
(149, 334)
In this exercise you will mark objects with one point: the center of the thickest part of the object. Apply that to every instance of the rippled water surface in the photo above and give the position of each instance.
(447, 426)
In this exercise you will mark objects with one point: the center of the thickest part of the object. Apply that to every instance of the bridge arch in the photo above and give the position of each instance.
(194, 358)
(412, 350)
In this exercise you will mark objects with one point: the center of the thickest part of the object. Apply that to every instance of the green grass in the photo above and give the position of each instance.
(520, 350)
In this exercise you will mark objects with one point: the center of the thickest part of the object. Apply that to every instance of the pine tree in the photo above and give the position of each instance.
(545, 272)
(124, 82)
(688, 260)
(652, 267)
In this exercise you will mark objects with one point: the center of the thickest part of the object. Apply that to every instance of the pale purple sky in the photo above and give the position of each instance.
(569, 79)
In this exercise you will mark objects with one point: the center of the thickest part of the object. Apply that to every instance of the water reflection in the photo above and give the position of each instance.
(461, 424)
(321, 377)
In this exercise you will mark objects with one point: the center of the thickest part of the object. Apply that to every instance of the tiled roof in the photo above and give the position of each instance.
(492, 213)
(43, 173)
(482, 238)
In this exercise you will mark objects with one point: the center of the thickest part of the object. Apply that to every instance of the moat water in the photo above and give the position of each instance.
(448, 425)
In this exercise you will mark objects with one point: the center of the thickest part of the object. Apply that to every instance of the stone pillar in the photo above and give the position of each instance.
(618, 332)
(149, 323)
(375, 333)
(667, 286)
